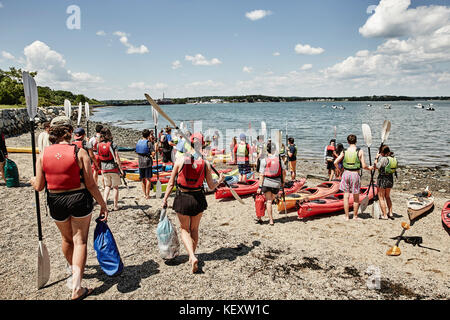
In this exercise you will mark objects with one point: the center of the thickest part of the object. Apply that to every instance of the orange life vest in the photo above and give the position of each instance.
(273, 168)
(59, 163)
(190, 177)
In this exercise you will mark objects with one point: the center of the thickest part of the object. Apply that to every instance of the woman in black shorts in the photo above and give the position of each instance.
(65, 171)
(189, 174)
(385, 181)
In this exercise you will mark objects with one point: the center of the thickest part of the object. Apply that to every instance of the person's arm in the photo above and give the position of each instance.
(38, 182)
(92, 156)
(339, 158)
(90, 184)
(209, 180)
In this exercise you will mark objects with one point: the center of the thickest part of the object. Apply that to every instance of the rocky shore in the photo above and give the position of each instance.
(321, 258)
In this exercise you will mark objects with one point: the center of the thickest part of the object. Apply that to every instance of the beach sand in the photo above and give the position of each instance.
(321, 258)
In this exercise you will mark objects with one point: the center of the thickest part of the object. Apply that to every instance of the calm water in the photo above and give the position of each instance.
(417, 136)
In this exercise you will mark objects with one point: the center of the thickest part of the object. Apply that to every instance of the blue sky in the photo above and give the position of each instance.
(205, 47)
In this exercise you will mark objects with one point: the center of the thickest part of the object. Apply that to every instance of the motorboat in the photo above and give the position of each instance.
(387, 106)
(430, 107)
(419, 106)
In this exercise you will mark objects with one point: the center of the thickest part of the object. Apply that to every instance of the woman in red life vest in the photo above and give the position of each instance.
(79, 139)
(272, 176)
(189, 174)
(329, 156)
(66, 172)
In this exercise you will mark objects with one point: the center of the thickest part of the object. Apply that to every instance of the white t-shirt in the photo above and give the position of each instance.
(43, 141)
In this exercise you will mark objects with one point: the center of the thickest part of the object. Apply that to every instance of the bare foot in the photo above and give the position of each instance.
(82, 293)
(355, 217)
(346, 218)
(194, 265)
(384, 218)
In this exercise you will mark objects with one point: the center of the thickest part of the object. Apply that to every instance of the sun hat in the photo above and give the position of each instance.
(60, 121)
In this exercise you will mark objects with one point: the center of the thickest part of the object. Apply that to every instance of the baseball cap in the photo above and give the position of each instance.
(60, 121)
(242, 136)
(79, 131)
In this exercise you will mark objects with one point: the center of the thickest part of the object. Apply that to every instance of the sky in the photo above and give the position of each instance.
(120, 49)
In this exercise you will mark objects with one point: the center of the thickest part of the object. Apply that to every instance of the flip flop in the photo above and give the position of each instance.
(84, 295)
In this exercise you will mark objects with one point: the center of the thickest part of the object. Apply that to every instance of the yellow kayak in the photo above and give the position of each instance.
(20, 150)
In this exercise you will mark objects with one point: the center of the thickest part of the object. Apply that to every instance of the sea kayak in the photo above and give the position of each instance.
(241, 188)
(215, 151)
(446, 214)
(291, 187)
(20, 149)
(419, 203)
(293, 200)
(330, 204)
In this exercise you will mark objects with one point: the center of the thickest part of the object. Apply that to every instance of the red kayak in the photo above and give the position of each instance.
(292, 186)
(446, 214)
(330, 204)
(215, 151)
(242, 188)
(165, 176)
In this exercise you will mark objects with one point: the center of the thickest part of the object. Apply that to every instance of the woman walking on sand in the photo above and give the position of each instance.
(188, 174)
(272, 176)
(66, 172)
(386, 164)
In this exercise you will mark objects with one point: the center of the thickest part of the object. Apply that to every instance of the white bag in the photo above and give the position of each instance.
(168, 243)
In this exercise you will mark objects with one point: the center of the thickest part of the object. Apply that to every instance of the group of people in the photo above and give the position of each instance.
(69, 163)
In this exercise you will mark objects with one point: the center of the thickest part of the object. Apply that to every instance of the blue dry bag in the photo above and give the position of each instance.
(108, 255)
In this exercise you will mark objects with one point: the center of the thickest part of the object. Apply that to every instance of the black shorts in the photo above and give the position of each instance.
(145, 173)
(167, 157)
(330, 165)
(77, 204)
(190, 203)
(268, 189)
(385, 181)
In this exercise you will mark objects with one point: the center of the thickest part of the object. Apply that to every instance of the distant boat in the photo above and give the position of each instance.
(387, 106)
(430, 107)
(341, 108)
(334, 106)
(369, 105)
(419, 106)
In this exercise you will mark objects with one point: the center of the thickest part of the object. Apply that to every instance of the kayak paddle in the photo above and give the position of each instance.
(158, 183)
(67, 108)
(158, 108)
(367, 133)
(31, 97)
(80, 110)
(86, 113)
(395, 250)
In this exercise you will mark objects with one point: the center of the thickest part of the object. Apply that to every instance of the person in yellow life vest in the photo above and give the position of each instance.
(353, 161)
(188, 174)
(386, 164)
(182, 146)
(242, 152)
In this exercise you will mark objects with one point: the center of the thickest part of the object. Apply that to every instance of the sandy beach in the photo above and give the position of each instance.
(322, 258)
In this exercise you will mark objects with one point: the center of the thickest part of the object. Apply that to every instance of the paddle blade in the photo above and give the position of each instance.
(377, 210)
(158, 189)
(236, 196)
(394, 251)
(86, 110)
(367, 133)
(43, 265)
(80, 111)
(385, 130)
(363, 204)
(160, 111)
(405, 225)
(335, 132)
(31, 94)
(67, 108)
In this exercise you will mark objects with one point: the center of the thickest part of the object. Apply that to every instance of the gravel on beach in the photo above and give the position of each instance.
(319, 258)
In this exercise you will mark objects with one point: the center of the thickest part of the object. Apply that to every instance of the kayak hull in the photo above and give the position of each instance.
(331, 204)
(21, 150)
(418, 205)
(445, 215)
(241, 188)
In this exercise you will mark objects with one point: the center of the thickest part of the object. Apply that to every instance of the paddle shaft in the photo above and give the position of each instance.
(157, 141)
(400, 237)
(36, 193)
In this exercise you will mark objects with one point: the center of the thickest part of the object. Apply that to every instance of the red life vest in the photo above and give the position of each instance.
(59, 163)
(79, 143)
(273, 168)
(330, 150)
(190, 177)
(104, 151)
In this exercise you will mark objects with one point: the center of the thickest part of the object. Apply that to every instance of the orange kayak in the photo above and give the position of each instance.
(294, 200)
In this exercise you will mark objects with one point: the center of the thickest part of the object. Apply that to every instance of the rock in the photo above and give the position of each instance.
(442, 190)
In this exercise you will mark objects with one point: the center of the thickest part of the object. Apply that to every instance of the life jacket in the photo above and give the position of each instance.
(79, 143)
(166, 147)
(189, 177)
(295, 151)
(391, 166)
(351, 160)
(104, 151)
(330, 149)
(59, 163)
(142, 147)
(273, 168)
(242, 152)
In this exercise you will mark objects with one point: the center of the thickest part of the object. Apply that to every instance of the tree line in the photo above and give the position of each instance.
(11, 91)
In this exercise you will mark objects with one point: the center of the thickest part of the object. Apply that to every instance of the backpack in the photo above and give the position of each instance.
(391, 166)
(104, 151)
(108, 255)
(168, 244)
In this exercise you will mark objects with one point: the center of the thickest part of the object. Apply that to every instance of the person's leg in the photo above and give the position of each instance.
(65, 228)
(346, 206)
(389, 201)
(382, 201)
(355, 205)
(148, 187)
(106, 194)
(269, 198)
(185, 226)
(116, 197)
(195, 222)
(80, 231)
(2, 170)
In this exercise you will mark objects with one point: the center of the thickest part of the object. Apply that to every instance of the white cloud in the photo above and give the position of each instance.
(276, 54)
(257, 14)
(7, 55)
(207, 83)
(51, 69)
(306, 66)
(1, 5)
(307, 49)
(200, 60)
(101, 33)
(394, 18)
(247, 69)
(123, 38)
(176, 64)
(142, 86)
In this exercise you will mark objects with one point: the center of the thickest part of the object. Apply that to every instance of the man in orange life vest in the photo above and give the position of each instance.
(242, 152)
(82, 143)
